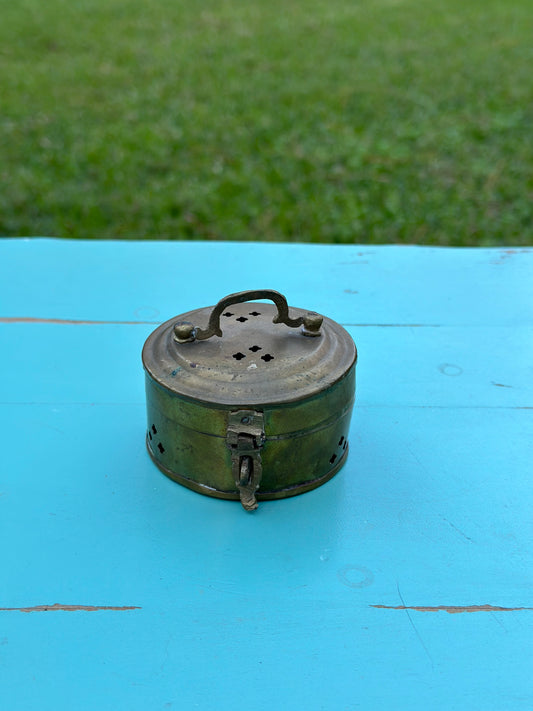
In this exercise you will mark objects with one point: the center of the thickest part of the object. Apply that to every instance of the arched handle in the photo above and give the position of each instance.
(185, 332)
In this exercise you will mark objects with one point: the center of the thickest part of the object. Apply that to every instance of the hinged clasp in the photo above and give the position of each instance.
(245, 439)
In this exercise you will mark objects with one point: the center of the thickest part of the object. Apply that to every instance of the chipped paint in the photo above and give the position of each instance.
(72, 322)
(507, 253)
(452, 609)
(57, 607)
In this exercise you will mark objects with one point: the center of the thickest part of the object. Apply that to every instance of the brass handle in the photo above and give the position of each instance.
(185, 332)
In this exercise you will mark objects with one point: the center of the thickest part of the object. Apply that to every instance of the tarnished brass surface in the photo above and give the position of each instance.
(303, 442)
(256, 361)
(227, 421)
(260, 495)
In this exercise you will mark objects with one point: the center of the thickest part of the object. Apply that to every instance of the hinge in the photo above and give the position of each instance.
(245, 438)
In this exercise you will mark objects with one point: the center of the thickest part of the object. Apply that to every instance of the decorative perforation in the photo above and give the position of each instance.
(267, 357)
(242, 319)
(343, 443)
(153, 431)
(255, 313)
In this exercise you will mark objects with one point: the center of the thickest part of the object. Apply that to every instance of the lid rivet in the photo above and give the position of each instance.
(184, 332)
(312, 322)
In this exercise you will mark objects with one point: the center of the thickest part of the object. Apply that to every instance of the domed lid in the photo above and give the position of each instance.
(259, 355)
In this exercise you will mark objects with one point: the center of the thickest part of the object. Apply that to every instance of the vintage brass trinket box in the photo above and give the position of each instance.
(249, 400)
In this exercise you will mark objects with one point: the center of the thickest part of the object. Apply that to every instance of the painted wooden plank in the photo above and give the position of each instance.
(119, 663)
(432, 510)
(147, 281)
(418, 367)
(428, 492)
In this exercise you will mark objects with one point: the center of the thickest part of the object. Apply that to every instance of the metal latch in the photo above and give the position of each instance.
(245, 439)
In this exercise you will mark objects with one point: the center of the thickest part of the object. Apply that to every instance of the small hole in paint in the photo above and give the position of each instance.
(160, 448)
(239, 356)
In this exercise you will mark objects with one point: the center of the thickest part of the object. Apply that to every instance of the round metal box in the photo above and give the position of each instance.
(249, 400)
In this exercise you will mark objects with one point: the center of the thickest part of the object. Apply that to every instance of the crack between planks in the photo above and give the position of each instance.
(452, 609)
(73, 322)
(89, 322)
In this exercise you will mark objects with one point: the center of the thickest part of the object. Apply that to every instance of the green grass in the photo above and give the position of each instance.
(288, 120)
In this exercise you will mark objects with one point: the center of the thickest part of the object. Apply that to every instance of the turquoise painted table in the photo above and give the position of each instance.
(403, 583)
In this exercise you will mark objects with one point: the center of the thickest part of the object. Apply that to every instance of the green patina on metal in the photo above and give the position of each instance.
(261, 411)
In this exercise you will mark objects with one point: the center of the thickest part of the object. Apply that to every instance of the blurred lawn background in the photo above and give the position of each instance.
(405, 121)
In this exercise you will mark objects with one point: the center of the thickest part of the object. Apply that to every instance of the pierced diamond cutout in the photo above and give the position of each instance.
(242, 319)
(239, 356)
(267, 357)
(254, 349)
(160, 447)
(333, 458)
(227, 314)
(255, 313)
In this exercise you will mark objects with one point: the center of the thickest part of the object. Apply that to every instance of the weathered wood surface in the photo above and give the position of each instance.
(404, 583)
